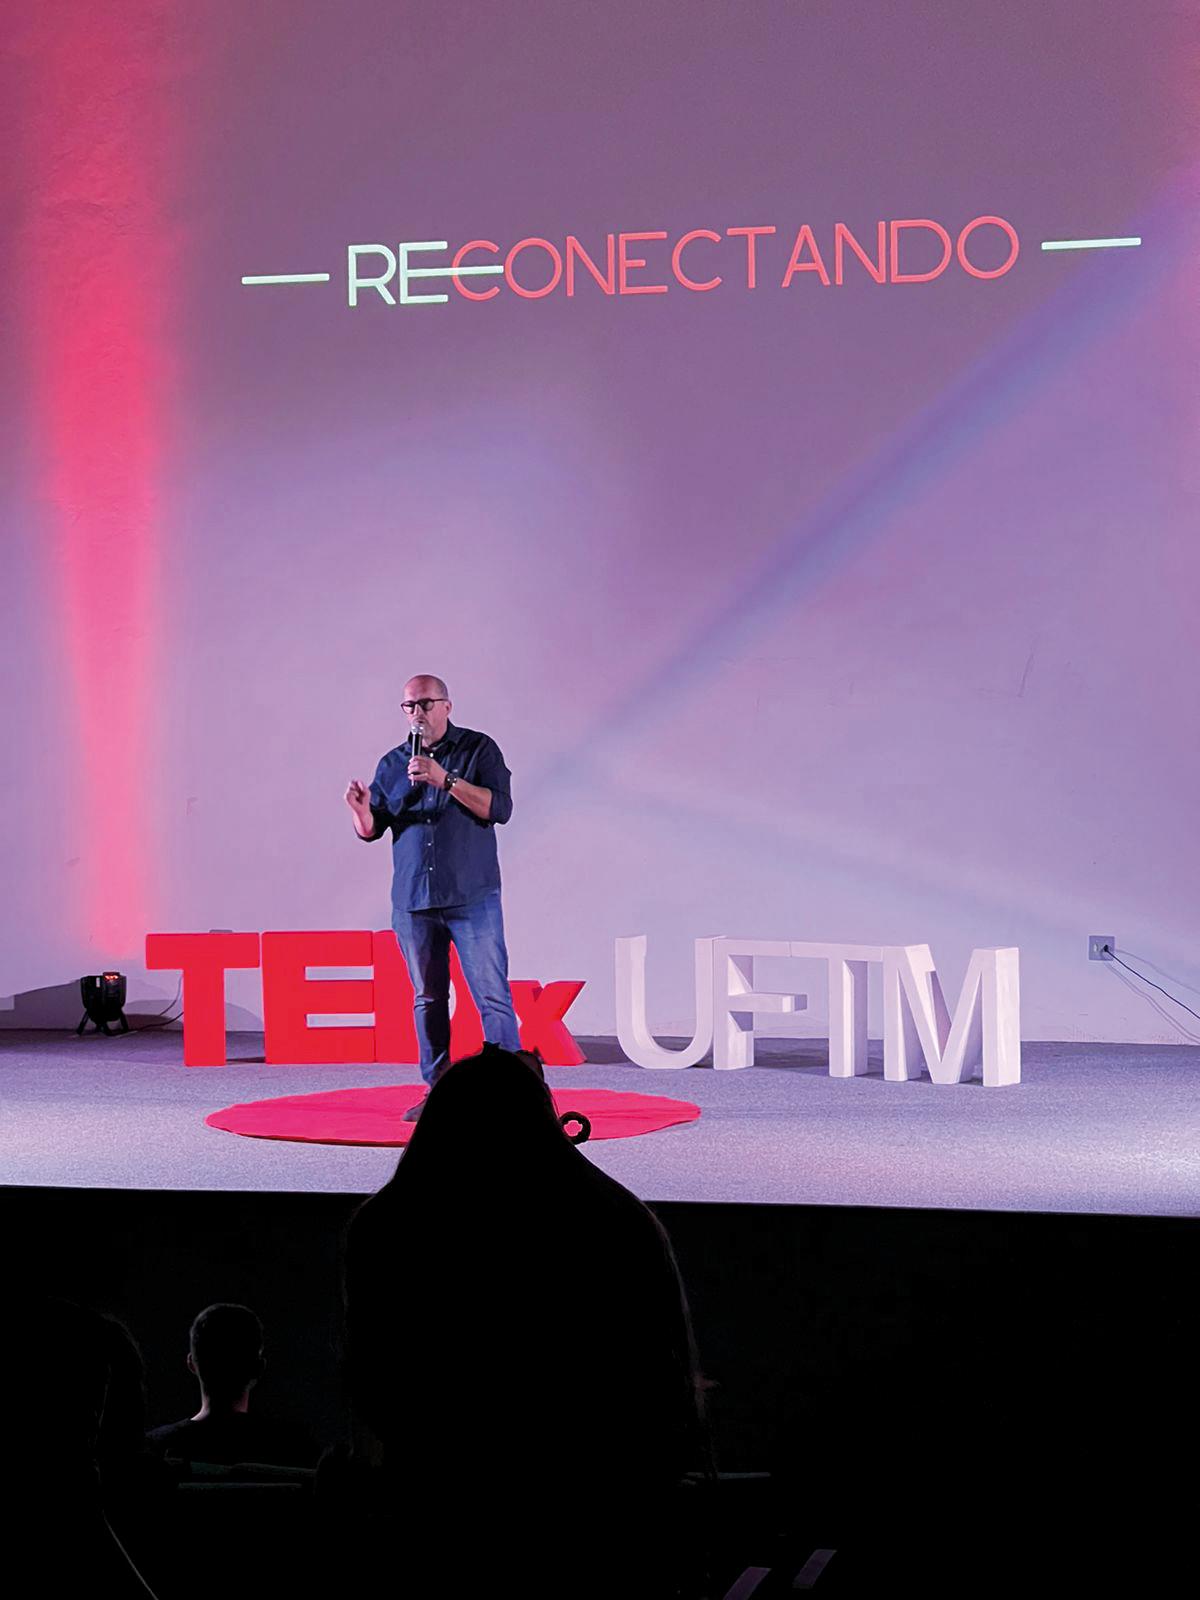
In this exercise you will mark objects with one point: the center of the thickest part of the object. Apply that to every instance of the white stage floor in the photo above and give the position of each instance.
(1092, 1128)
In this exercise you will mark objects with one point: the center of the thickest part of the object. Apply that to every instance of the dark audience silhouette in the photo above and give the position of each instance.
(520, 1350)
(226, 1356)
(74, 1420)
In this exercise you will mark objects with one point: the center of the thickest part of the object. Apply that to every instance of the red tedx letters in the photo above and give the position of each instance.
(290, 997)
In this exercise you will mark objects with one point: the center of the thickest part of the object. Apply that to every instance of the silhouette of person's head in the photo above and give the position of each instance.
(225, 1351)
(512, 1254)
(78, 1377)
(489, 1111)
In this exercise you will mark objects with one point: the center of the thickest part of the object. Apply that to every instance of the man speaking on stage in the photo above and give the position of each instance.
(441, 795)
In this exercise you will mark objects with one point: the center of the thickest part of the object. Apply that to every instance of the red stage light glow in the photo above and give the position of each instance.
(96, 258)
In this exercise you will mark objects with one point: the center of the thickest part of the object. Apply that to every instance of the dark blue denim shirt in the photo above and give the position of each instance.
(441, 854)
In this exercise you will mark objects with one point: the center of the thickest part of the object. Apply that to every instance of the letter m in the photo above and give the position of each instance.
(985, 1029)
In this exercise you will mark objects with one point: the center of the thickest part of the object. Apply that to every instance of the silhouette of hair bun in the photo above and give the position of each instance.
(585, 1127)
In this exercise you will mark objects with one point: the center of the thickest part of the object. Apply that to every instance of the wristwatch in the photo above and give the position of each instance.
(451, 780)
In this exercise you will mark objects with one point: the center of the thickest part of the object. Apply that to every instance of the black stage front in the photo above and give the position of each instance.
(811, 1321)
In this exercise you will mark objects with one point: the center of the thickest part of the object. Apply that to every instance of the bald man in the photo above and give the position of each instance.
(442, 808)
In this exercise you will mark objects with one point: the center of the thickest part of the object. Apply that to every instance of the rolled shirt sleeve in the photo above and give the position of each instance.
(492, 774)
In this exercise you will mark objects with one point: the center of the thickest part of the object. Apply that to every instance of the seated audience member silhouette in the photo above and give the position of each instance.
(225, 1355)
(73, 1440)
(518, 1343)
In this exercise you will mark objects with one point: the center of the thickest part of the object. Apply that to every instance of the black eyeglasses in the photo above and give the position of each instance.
(409, 706)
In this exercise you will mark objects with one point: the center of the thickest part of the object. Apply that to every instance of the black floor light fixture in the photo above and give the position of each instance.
(103, 1002)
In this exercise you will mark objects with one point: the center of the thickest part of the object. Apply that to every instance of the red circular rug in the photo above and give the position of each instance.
(372, 1116)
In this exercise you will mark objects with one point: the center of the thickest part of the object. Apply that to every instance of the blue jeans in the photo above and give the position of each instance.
(477, 932)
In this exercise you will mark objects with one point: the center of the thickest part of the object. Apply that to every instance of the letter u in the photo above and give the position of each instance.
(635, 1038)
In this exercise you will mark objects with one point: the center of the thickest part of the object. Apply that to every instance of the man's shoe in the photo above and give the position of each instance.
(414, 1112)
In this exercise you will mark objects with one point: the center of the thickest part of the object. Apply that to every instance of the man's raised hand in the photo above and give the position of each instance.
(358, 798)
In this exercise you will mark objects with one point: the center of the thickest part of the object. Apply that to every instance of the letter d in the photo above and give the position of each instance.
(918, 277)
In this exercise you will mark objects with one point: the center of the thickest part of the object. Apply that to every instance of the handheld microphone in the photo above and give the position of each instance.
(416, 744)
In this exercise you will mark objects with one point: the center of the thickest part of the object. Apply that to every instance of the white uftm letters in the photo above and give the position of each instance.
(983, 1033)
